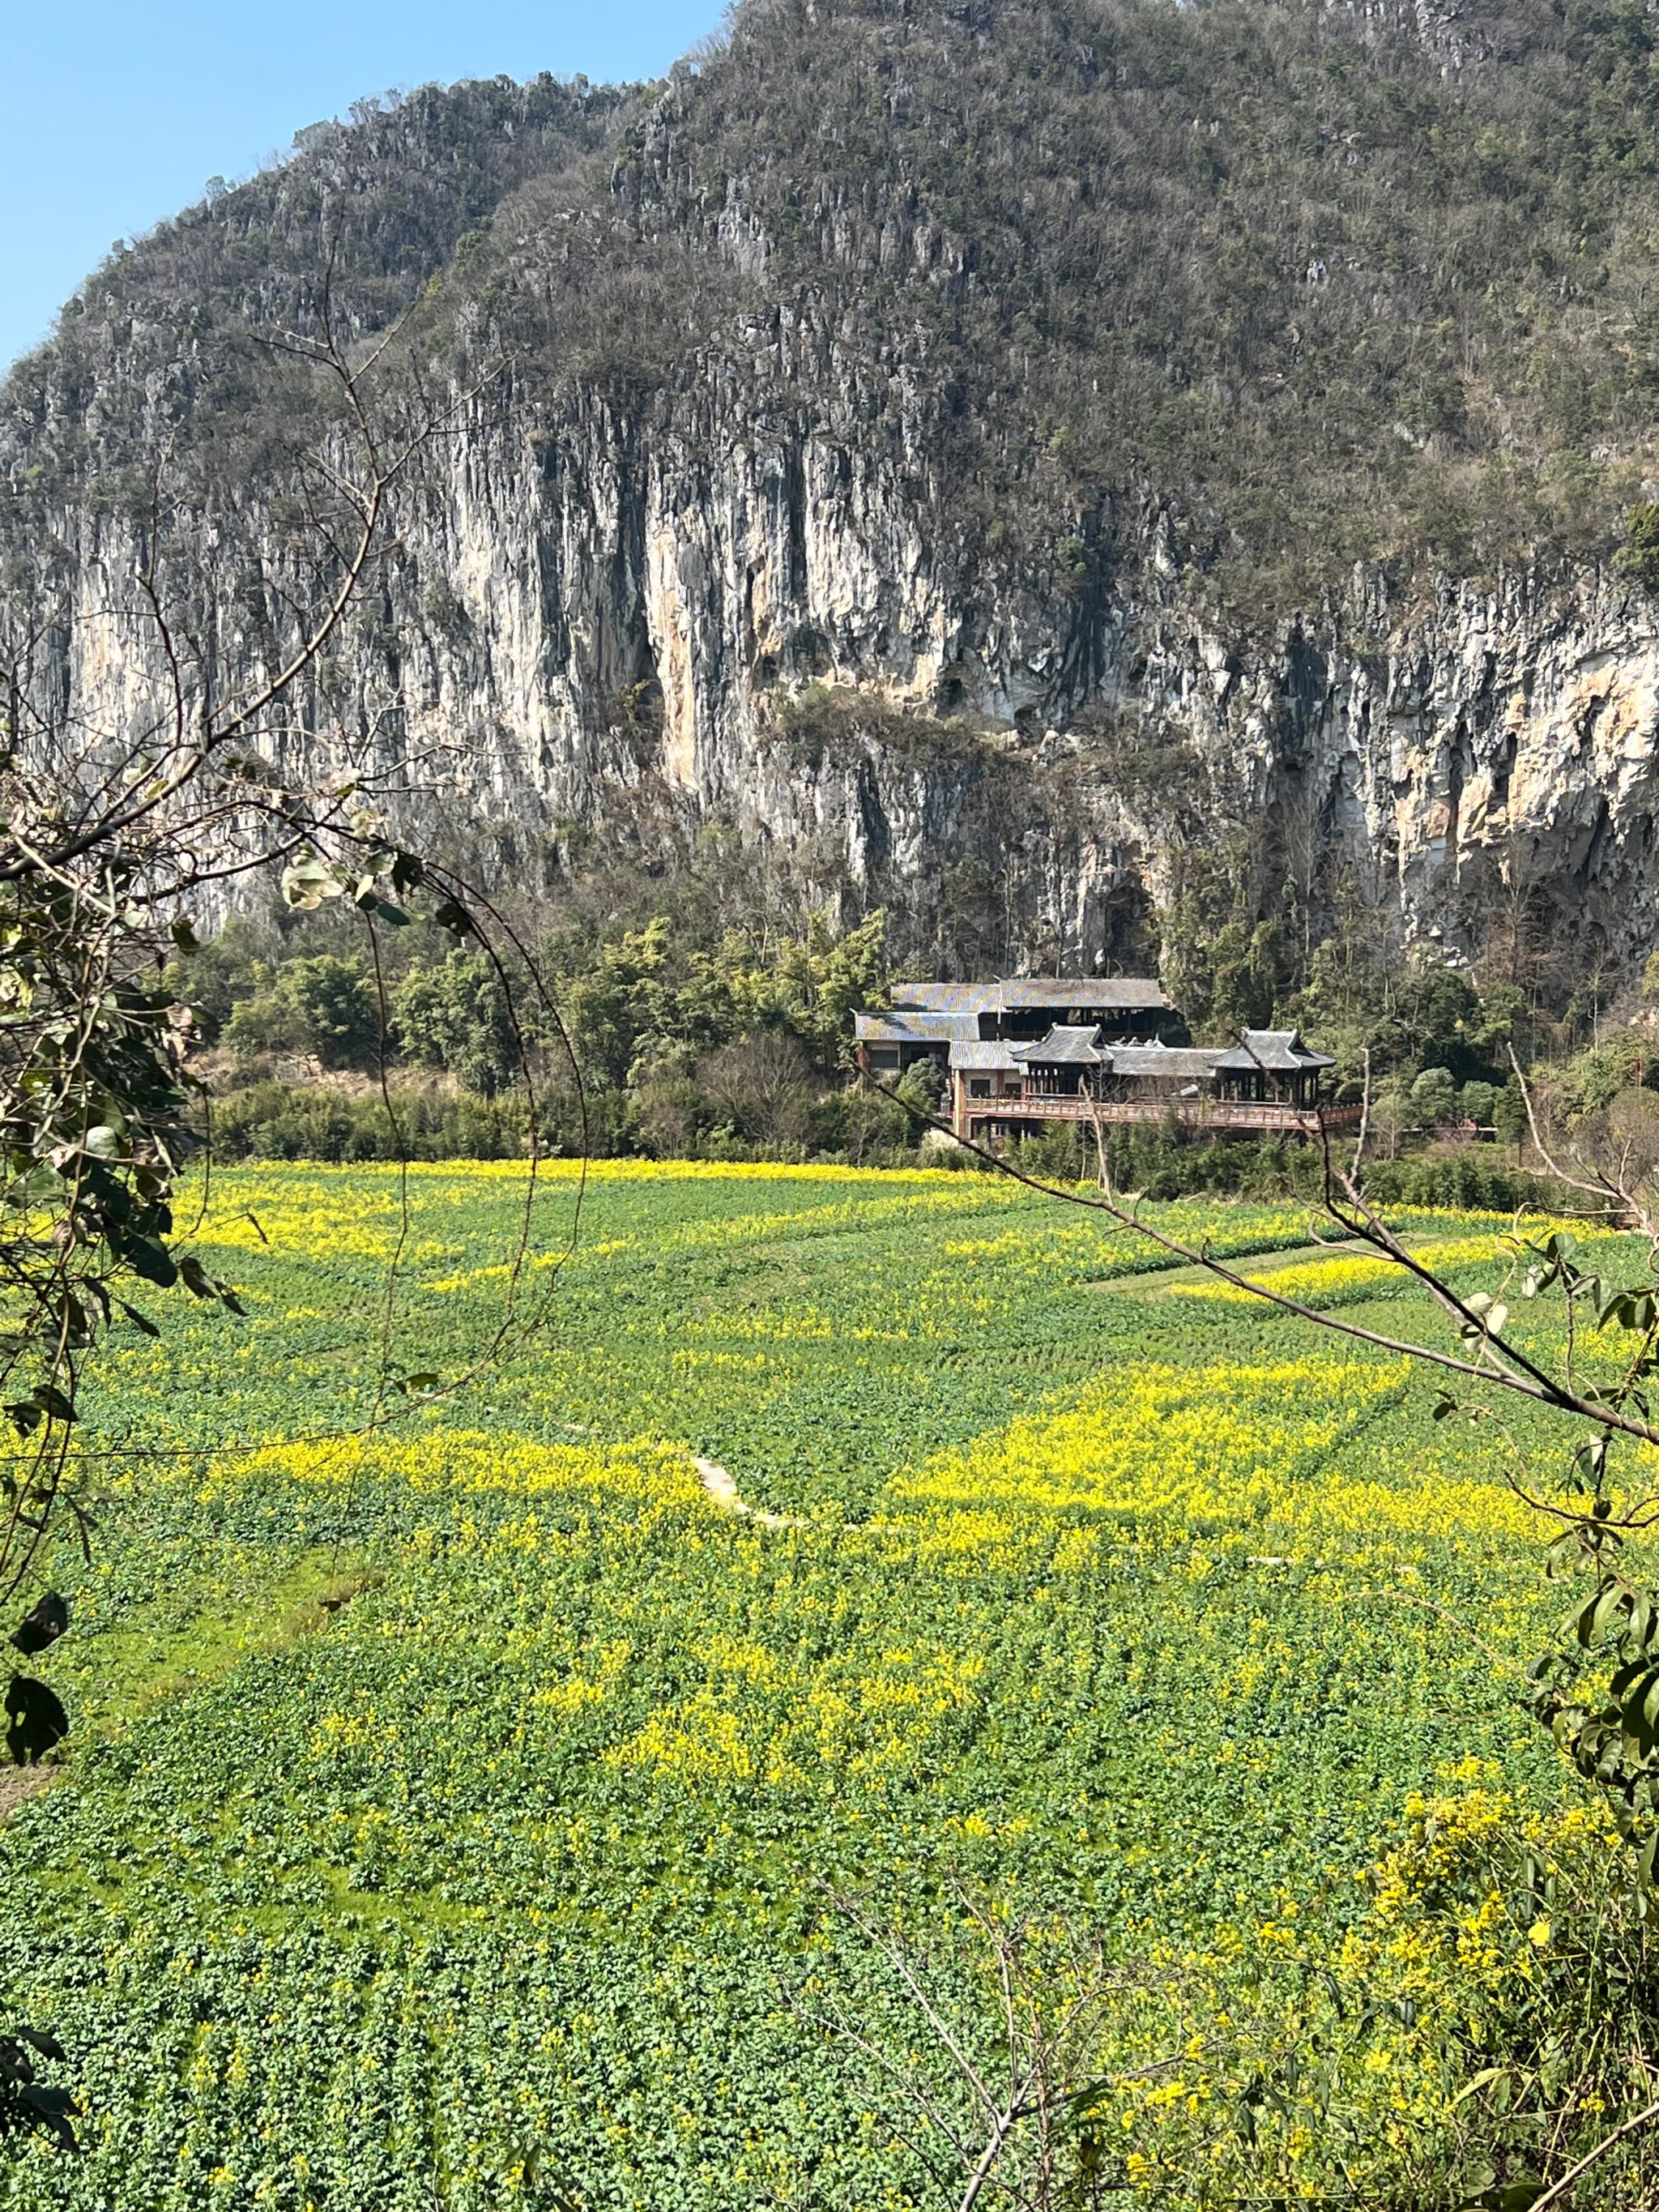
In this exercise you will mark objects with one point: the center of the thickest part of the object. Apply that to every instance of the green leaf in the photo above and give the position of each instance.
(1609, 1603)
(308, 882)
(150, 1258)
(47, 2045)
(1480, 2080)
(52, 1403)
(54, 2112)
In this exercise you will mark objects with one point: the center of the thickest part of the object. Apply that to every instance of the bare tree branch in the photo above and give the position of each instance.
(1560, 2191)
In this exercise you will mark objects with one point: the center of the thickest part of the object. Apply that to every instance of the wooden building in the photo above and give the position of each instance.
(926, 1021)
(1019, 1056)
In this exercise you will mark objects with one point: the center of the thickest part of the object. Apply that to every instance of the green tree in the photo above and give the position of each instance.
(1433, 1097)
(456, 1017)
(336, 1009)
(326, 1005)
(1509, 1114)
(1476, 1103)
(1437, 1007)
(810, 985)
(1595, 1077)
(1223, 965)
(825, 977)
(609, 1008)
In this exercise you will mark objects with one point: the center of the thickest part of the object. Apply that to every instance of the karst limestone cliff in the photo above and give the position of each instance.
(857, 497)
(597, 627)
(1456, 748)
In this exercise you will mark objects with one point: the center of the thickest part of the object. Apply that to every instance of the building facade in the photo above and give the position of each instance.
(1020, 1056)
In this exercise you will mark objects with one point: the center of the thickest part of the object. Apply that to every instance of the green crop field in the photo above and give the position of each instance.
(457, 1798)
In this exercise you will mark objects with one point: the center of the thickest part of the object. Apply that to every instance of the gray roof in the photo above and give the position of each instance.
(1036, 993)
(994, 1053)
(906, 1026)
(1280, 1051)
(1173, 1062)
(1062, 1047)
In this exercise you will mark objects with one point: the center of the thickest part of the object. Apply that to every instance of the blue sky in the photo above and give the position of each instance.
(117, 115)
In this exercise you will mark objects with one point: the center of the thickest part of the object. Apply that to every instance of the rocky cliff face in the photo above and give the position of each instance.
(835, 576)
(1477, 746)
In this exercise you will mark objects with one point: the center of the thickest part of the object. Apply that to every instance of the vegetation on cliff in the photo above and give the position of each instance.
(1316, 284)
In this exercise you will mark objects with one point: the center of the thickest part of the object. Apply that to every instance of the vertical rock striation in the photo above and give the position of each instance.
(819, 495)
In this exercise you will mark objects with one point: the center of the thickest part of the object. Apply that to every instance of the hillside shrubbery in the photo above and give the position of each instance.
(1324, 284)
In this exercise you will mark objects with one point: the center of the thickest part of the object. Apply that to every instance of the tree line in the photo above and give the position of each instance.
(670, 1036)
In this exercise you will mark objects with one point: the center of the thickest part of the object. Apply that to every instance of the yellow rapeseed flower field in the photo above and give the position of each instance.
(480, 1709)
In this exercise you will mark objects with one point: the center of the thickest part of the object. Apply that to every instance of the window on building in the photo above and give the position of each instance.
(980, 1087)
(884, 1055)
(1011, 1090)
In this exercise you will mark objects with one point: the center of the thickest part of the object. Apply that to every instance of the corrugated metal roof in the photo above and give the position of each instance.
(994, 1053)
(1281, 1051)
(1062, 1047)
(906, 1026)
(1034, 993)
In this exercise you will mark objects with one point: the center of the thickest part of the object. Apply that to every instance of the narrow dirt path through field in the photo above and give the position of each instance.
(718, 1482)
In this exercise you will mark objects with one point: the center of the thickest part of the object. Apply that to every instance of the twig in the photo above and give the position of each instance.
(1364, 1121)
(1557, 2189)
(1535, 1384)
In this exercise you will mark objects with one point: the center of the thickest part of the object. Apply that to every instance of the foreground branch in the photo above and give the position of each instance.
(1559, 2191)
(1533, 1384)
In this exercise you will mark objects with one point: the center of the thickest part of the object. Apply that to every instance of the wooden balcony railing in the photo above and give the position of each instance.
(1267, 1118)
